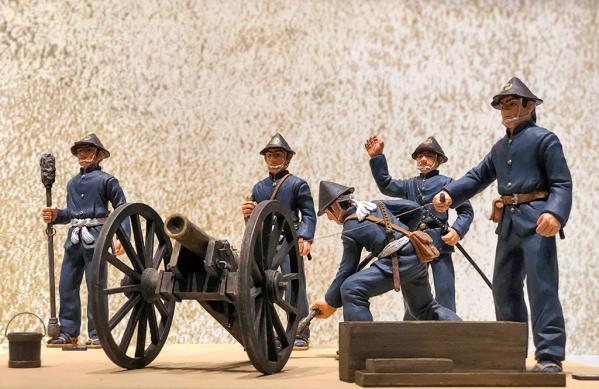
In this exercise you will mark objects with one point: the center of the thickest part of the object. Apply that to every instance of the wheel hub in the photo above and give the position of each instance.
(150, 279)
(275, 285)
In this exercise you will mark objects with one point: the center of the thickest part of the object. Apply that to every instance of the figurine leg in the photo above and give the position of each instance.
(357, 289)
(417, 294)
(542, 282)
(444, 276)
(508, 280)
(302, 304)
(87, 255)
(71, 274)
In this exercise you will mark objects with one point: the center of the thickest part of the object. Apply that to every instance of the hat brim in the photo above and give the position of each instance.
(264, 150)
(103, 152)
(322, 209)
(499, 96)
(419, 149)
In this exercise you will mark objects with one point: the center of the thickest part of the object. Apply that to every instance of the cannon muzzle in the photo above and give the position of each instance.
(192, 237)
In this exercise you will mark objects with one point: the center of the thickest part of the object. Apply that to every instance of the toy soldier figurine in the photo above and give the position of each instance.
(88, 194)
(351, 288)
(421, 189)
(294, 193)
(536, 197)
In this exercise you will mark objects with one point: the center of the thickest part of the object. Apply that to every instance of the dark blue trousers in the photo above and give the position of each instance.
(77, 260)
(533, 257)
(444, 277)
(302, 305)
(361, 286)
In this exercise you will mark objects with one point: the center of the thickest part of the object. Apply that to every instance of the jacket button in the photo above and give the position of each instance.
(512, 209)
(509, 162)
(509, 184)
(509, 141)
(82, 195)
(80, 212)
(83, 176)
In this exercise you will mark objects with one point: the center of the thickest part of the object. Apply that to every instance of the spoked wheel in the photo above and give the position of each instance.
(131, 319)
(271, 277)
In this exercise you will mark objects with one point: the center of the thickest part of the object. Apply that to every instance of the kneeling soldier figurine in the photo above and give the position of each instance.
(351, 288)
(88, 194)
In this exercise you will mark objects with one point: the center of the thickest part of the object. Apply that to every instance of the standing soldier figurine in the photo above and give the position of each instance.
(294, 193)
(429, 156)
(88, 194)
(536, 197)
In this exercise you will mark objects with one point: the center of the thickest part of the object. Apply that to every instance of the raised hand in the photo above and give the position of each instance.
(374, 146)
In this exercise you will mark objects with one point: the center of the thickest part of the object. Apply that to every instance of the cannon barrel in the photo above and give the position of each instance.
(192, 237)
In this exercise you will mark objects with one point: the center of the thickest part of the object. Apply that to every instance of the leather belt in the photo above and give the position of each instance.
(520, 198)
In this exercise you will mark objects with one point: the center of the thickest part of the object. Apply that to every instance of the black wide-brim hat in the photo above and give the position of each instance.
(329, 192)
(277, 142)
(514, 87)
(90, 140)
(431, 144)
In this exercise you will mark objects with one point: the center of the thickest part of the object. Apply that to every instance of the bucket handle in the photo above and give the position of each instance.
(24, 313)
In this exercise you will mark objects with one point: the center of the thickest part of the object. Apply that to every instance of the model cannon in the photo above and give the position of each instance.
(250, 294)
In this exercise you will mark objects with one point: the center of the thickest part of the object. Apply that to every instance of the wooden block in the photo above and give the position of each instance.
(472, 346)
(409, 365)
(496, 378)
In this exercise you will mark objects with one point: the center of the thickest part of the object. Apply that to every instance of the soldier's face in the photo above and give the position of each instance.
(87, 156)
(513, 113)
(276, 160)
(426, 162)
(333, 213)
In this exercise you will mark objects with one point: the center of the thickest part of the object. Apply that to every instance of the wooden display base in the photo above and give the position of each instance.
(437, 354)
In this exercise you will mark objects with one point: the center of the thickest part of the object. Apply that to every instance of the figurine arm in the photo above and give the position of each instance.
(473, 182)
(117, 198)
(63, 216)
(348, 266)
(305, 204)
(464, 220)
(386, 184)
(559, 202)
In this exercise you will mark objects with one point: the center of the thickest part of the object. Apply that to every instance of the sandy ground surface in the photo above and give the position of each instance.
(196, 366)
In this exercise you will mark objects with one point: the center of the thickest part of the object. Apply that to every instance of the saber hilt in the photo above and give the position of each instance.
(305, 322)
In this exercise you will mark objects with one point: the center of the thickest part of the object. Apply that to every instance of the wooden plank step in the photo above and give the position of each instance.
(409, 365)
(479, 378)
(472, 346)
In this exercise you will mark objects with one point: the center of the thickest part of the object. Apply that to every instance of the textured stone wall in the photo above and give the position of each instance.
(185, 94)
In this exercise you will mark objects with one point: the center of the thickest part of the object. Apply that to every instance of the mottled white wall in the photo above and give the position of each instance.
(185, 94)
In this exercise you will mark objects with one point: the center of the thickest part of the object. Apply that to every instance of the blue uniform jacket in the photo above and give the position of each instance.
(293, 193)
(429, 186)
(88, 194)
(371, 237)
(530, 160)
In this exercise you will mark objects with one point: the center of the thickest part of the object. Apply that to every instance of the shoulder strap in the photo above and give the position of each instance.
(395, 227)
(273, 196)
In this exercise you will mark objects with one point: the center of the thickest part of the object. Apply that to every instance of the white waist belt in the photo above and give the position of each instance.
(81, 225)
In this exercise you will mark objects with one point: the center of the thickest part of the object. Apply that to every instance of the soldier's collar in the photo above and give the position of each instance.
(90, 169)
(278, 175)
(347, 213)
(432, 173)
(520, 128)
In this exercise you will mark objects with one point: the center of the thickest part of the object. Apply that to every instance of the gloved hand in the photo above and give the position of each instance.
(363, 208)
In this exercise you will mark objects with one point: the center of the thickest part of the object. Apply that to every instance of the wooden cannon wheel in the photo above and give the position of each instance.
(124, 303)
(270, 277)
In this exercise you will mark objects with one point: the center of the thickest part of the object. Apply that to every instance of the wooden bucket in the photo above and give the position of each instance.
(24, 348)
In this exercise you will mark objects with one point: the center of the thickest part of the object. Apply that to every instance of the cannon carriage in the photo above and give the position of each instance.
(252, 293)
